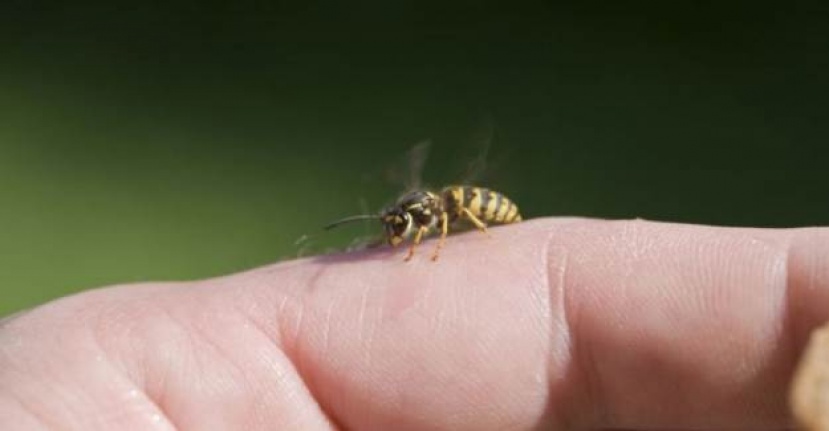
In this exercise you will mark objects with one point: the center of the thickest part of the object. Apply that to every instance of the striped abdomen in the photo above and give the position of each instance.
(487, 205)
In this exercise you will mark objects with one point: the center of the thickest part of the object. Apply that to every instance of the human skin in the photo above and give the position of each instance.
(547, 324)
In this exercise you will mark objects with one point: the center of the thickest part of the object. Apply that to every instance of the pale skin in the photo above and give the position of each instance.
(546, 324)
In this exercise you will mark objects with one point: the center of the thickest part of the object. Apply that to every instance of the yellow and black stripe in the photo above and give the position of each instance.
(487, 205)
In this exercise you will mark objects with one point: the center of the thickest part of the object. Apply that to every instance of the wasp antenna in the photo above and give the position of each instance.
(349, 220)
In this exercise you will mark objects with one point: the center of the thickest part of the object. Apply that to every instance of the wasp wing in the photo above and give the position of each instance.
(481, 143)
(407, 173)
(475, 151)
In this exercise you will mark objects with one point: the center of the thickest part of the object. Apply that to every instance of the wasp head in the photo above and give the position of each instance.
(398, 224)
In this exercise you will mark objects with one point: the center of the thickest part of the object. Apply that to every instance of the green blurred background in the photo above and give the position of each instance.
(179, 140)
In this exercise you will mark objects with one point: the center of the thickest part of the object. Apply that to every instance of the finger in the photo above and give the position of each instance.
(585, 324)
(568, 323)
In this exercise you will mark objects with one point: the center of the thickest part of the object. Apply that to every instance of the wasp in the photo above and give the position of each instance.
(420, 213)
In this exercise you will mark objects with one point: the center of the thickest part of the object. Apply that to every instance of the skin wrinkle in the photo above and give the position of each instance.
(160, 416)
(287, 377)
(280, 374)
(774, 257)
(326, 332)
(127, 326)
(784, 317)
(81, 323)
(743, 370)
(287, 311)
(283, 390)
(159, 391)
(155, 414)
(784, 326)
(286, 368)
(562, 417)
(553, 348)
(192, 334)
(273, 336)
(309, 358)
(582, 358)
(233, 369)
(361, 315)
(38, 417)
(296, 353)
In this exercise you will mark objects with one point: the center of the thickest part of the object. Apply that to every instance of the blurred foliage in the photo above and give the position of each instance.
(158, 140)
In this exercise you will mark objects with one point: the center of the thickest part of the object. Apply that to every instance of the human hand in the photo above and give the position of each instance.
(548, 324)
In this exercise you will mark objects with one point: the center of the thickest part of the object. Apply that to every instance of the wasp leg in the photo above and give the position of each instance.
(444, 230)
(418, 236)
(475, 220)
